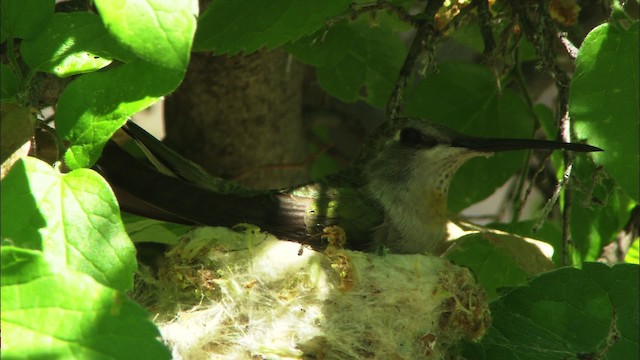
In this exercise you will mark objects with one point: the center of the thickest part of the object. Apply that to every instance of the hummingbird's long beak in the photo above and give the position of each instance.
(495, 144)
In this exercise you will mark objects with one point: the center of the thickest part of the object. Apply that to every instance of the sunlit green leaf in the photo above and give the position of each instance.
(56, 313)
(158, 31)
(142, 229)
(73, 218)
(73, 43)
(604, 100)
(95, 105)
(632, 256)
(549, 233)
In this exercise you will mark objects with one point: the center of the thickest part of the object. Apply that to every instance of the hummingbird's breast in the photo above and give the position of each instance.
(412, 189)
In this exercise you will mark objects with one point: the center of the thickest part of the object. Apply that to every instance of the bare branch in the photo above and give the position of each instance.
(426, 34)
(551, 202)
(543, 32)
(572, 50)
(485, 27)
(394, 104)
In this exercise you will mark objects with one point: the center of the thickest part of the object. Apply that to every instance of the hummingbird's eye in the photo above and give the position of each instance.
(410, 137)
(413, 138)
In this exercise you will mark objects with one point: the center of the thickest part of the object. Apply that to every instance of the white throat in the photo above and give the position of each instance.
(416, 208)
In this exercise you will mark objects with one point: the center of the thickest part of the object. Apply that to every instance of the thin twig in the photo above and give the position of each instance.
(394, 104)
(518, 200)
(426, 33)
(572, 50)
(562, 83)
(458, 18)
(540, 29)
(402, 14)
(532, 183)
(551, 202)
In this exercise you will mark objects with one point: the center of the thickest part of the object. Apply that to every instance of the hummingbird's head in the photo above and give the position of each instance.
(415, 151)
(409, 172)
(409, 169)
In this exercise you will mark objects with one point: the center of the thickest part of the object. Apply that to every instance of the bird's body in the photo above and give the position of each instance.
(395, 194)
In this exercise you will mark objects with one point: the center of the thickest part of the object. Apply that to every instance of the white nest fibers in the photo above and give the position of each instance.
(261, 298)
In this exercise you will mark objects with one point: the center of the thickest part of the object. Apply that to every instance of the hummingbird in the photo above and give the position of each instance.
(394, 195)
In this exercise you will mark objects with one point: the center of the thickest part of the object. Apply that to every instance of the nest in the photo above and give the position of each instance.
(224, 294)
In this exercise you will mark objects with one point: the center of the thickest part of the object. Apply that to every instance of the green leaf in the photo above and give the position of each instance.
(95, 105)
(142, 230)
(604, 100)
(465, 97)
(9, 85)
(73, 43)
(632, 256)
(73, 218)
(158, 31)
(493, 267)
(469, 36)
(549, 233)
(25, 19)
(354, 61)
(326, 47)
(56, 313)
(567, 314)
(228, 27)
(599, 209)
(345, 79)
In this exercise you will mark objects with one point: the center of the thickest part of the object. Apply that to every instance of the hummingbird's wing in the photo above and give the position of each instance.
(183, 192)
(343, 205)
(169, 162)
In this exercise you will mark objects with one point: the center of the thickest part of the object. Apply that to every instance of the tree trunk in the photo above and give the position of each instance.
(240, 118)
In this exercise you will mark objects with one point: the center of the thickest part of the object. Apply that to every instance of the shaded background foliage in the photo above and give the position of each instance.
(310, 78)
